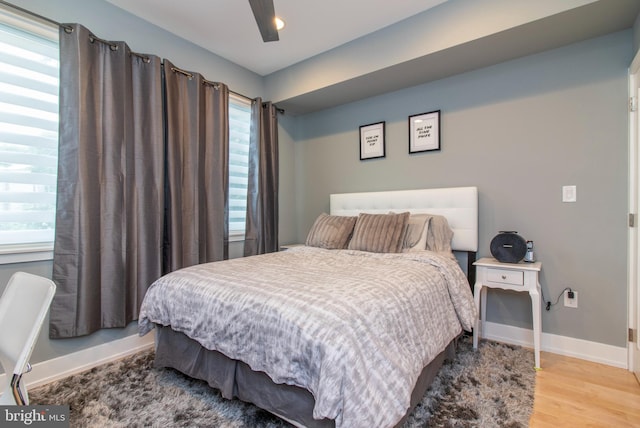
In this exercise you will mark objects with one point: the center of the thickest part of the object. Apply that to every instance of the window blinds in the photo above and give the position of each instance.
(239, 132)
(29, 69)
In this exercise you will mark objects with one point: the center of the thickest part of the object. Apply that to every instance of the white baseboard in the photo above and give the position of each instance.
(66, 365)
(577, 348)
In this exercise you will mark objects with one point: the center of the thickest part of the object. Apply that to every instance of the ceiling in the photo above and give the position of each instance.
(324, 57)
(228, 28)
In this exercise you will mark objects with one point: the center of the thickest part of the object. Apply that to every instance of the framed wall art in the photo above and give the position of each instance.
(424, 132)
(372, 141)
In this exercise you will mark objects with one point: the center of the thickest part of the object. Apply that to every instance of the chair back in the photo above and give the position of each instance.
(23, 308)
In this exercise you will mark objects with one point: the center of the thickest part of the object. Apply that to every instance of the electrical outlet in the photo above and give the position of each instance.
(570, 303)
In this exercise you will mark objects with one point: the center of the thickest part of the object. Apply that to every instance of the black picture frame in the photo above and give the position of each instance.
(424, 132)
(372, 141)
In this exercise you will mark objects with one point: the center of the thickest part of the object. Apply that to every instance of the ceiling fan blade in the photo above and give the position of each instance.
(265, 16)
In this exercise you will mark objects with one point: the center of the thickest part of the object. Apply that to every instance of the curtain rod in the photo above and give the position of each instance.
(69, 29)
(33, 14)
(215, 85)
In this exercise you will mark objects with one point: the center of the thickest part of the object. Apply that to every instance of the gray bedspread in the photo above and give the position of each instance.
(354, 328)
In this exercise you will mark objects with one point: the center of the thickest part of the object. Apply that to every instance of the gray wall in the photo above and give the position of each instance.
(519, 131)
(636, 34)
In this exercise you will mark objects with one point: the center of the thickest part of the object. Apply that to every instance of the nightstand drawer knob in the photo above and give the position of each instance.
(503, 276)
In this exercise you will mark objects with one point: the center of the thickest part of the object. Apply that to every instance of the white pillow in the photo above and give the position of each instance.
(415, 238)
(440, 234)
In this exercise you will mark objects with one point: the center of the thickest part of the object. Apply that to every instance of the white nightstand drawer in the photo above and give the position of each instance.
(504, 276)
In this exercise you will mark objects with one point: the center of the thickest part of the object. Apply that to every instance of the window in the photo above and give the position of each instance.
(29, 80)
(239, 132)
(29, 70)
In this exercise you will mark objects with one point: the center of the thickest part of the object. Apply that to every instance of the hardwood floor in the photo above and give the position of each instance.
(577, 393)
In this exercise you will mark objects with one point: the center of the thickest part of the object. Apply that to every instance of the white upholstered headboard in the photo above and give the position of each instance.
(458, 204)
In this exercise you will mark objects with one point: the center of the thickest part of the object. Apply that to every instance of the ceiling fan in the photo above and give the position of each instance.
(265, 15)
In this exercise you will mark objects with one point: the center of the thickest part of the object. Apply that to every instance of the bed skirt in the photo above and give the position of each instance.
(235, 379)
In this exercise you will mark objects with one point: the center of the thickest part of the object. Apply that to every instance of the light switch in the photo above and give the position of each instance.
(569, 194)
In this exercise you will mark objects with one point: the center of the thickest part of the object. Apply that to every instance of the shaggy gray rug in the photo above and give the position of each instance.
(490, 388)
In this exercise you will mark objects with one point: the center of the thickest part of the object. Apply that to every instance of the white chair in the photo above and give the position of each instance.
(23, 308)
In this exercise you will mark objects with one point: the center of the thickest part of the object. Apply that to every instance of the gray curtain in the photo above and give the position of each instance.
(261, 234)
(197, 124)
(110, 184)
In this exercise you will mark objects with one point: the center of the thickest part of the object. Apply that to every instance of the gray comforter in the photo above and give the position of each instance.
(354, 328)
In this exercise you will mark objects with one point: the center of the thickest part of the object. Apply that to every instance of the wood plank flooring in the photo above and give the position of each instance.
(577, 393)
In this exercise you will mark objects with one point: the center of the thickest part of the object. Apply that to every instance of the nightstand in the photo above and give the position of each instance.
(285, 247)
(522, 276)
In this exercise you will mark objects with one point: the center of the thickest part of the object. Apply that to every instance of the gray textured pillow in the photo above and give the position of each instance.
(379, 233)
(331, 232)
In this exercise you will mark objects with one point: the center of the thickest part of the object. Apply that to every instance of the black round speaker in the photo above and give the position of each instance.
(508, 247)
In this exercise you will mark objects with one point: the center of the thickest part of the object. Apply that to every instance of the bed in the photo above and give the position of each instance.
(332, 333)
